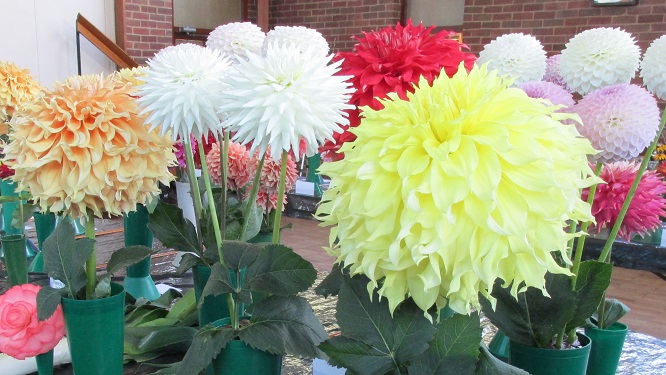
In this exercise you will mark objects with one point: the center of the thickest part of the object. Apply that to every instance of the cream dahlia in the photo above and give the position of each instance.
(646, 208)
(653, 67)
(83, 146)
(283, 96)
(518, 56)
(305, 39)
(17, 88)
(620, 121)
(241, 166)
(235, 39)
(443, 193)
(555, 93)
(182, 89)
(599, 57)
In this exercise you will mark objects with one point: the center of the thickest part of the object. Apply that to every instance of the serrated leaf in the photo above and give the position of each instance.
(128, 256)
(187, 262)
(593, 279)
(65, 257)
(218, 283)
(489, 365)
(205, 346)
(103, 288)
(172, 229)
(454, 348)
(48, 300)
(356, 356)
(284, 325)
(239, 254)
(278, 270)
(331, 284)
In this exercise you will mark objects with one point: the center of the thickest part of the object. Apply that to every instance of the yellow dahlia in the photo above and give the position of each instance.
(83, 145)
(17, 87)
(465, 182)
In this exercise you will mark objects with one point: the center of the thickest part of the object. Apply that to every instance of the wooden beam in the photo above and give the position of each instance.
(121, 33)
(106, 45)
(262, 14)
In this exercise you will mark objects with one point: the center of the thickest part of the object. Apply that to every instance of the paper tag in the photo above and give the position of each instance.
(305, 188)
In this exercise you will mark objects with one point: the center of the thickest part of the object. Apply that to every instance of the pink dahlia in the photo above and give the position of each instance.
(646, 208)
(269, 182)
(619, 120)
(547, 90)
(553, 72)
(179, 149)
(393, 60)
(241, 167)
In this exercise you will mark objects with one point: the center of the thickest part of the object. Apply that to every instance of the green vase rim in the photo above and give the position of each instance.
(12, 237)
(615, 327)
(586, 340)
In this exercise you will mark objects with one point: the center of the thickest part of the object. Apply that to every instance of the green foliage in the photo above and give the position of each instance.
(613, 311)
(489, 365)
(173, 230)
(535, 319)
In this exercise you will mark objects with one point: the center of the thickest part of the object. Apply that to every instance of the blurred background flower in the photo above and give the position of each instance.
(234, 40)
(518, 56)
(303, 38)
(17, 88)
(556, 94)
(652, 67)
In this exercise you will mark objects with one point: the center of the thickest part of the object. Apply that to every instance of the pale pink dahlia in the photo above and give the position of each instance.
(241, 167)
(619, 120)
(553, 72)
(556, 94)
(269, 182)
(646, 208)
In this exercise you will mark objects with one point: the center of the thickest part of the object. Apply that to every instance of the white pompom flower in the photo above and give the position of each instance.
(282, 97)
(653, 67)
(235, 39)
(182, 89)
(518, 56)
(598, 58)
(305, 39)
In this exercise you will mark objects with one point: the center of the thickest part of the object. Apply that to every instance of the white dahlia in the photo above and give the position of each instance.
(235, 39)
(285, 96)
(653, 67)
(304, 38)
(599, 57)
(518, 56)
(182, 89)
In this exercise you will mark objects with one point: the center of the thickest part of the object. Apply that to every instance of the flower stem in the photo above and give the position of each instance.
(278, 206)
(224, 162)
(605, 253)
(194, 189)
(580, 246)
(211, 204)
(91, 263)
(253, 194)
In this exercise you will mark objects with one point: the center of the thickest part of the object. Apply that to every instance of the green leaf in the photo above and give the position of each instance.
(103, 287)
(143, 314)
(218, 283)
(172, 229)
(357, 356)
(239, 255)
(17, 216)
(401, 337)
(453, 350)
(331, 284)
(254, 222)
(614, 310)
(184, 307)
(593, 279)
(165, 339)
(533, 319)
(187, 262)
(278, 270)
(65, 257)
(489, 365)
(14, 198)
(48, 299)
(284, 325)
(128, 256)
(205, 346)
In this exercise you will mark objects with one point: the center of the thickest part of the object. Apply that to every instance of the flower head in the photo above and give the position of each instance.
(304, 38)
(442, 194)
(646, 208)
(241, 166)
(235, 39)
(652, 67)
(553, 72)
(182, 90)
(83, 146)
(599, 57)
(517, 55)
(620, 121)
(133, 76)
(556, 94)
(22, 334)
(393, 59)
(17, 88)
(283, 96)
(267, 195)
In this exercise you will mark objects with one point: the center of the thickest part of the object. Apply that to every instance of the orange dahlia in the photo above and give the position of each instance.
(83, 146)
(241, 167)
(17, 87)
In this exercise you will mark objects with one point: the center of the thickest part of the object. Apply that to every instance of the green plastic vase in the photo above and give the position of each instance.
(8, 189)
(138, 282)
(499, 346)
(213, 307)
(606, 349)
(540, 361)
(95, 330)
(44, 225)
(15, 260)
(238, 358)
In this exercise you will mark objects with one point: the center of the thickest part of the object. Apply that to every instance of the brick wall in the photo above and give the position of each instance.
(554, 22)
(148, 26)
(337, 20)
